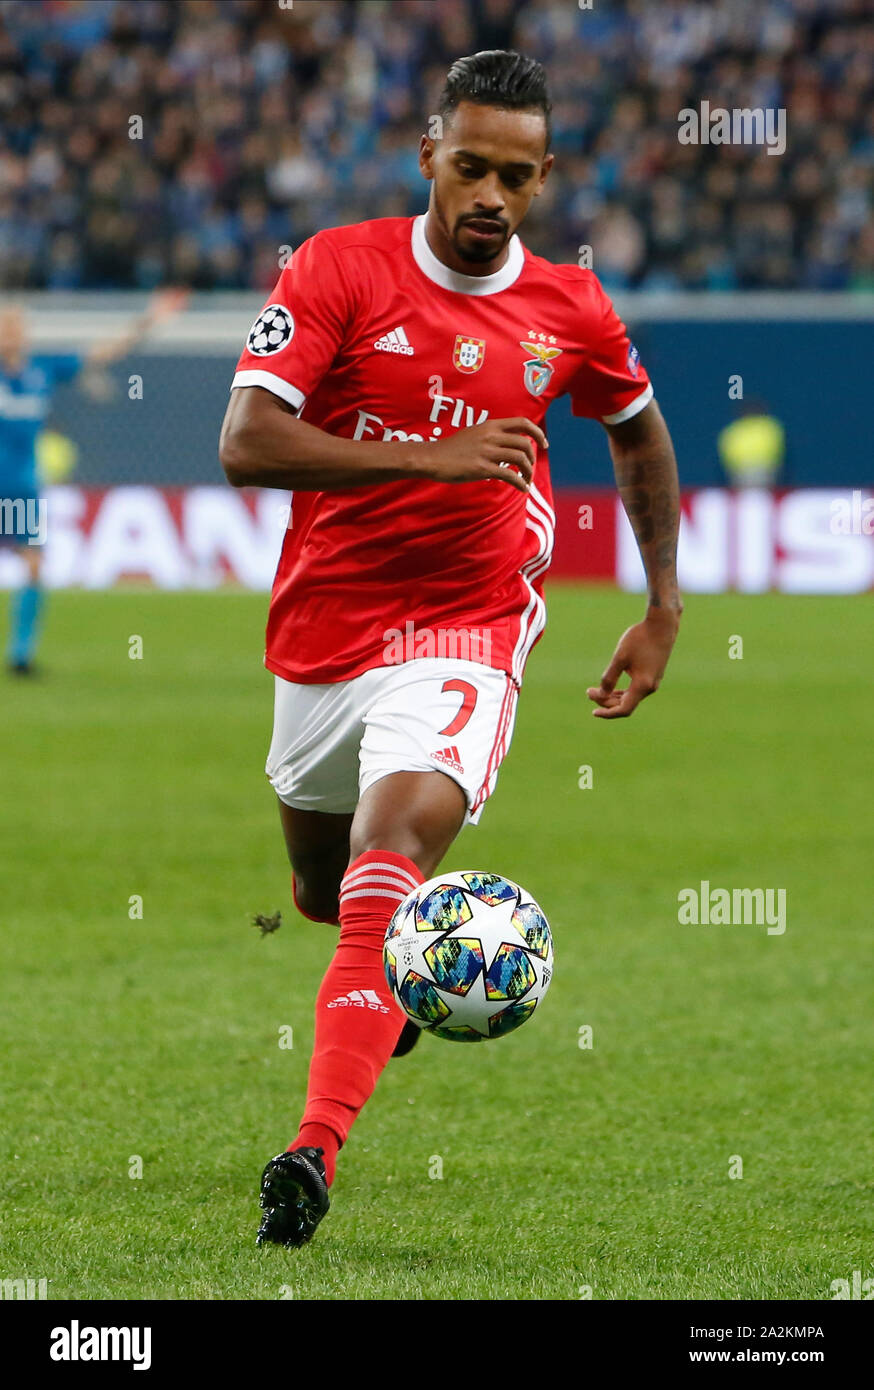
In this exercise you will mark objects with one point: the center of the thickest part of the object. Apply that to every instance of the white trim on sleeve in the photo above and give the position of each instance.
(273, 383)
(628, 413)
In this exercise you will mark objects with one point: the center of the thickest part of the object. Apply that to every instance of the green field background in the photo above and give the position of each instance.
(567, 1172)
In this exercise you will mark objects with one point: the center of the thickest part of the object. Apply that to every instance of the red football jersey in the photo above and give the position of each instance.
(371, 337)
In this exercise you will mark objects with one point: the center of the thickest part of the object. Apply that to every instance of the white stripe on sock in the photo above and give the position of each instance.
(374, 870)
(392, 885)
(372, 893)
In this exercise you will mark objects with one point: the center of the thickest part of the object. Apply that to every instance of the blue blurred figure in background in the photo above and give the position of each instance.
(27, 384)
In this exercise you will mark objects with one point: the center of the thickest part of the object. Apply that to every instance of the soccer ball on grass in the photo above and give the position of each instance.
(468, 956)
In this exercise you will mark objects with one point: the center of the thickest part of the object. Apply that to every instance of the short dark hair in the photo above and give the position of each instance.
(498, 77)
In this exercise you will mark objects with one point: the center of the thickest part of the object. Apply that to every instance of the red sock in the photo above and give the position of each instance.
(357, 1021)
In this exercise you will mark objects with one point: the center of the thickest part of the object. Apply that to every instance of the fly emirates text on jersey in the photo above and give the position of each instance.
(463, 417)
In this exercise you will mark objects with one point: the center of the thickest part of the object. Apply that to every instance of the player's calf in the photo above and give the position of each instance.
(315, 899)
(318, 850)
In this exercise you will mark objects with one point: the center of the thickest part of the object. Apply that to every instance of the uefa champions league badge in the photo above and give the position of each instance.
(537, 372)
(271, 331)
(633, 359)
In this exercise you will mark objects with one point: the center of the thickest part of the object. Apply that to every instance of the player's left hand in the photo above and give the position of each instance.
(643, 652)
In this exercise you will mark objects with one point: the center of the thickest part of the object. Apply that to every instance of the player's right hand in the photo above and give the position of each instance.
(500, 449)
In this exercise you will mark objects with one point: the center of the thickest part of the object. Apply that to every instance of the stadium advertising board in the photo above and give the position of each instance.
(807, 541)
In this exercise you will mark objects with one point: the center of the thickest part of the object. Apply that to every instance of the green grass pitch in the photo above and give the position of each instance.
(565, 1169)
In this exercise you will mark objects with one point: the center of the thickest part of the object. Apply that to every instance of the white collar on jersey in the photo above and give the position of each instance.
(453, 279)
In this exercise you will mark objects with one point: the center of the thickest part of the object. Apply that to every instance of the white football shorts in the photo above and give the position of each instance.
(331, 742)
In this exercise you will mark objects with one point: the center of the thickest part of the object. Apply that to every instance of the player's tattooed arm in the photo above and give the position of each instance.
(646, 477)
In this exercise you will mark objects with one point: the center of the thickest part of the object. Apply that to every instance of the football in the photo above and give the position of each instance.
(468, 956)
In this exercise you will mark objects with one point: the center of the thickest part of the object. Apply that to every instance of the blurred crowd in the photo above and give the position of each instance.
(261, 122)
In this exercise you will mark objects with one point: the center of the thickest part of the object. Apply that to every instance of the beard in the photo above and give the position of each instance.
(476, 253)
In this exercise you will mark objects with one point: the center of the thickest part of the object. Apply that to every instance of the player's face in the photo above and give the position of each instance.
(13, 336)
(485, 170)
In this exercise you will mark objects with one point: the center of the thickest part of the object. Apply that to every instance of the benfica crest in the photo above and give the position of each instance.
(468, 353)
(538, 371)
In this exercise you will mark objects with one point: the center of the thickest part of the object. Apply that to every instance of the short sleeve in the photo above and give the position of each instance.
(300, 329)
(612, 384)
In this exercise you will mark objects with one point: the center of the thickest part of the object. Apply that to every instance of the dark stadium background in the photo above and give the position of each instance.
(263, 124)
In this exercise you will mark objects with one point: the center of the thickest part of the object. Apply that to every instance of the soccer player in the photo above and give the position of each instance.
(27, 383)
(397, 382)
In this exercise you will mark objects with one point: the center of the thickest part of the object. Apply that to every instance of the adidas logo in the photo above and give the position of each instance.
(395, 341)
(450, 757)
(360, 999)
